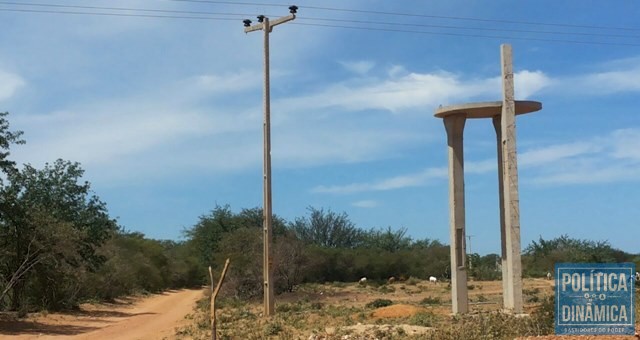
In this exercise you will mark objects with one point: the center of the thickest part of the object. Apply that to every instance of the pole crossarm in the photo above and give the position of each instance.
(272, 23)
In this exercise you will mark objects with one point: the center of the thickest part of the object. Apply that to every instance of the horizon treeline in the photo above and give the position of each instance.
(59, 246)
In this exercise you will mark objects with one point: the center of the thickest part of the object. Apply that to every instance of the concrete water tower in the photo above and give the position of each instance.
(502, 113)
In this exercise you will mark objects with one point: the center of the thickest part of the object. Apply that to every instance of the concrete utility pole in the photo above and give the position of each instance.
(266, 26)
(510, 208)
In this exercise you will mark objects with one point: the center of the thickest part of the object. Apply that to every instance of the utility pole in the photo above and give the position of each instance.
(470, 252)
(267, 269)
(510, 197)
(469, 243)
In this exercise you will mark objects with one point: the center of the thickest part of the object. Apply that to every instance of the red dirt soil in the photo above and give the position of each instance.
(153, 317)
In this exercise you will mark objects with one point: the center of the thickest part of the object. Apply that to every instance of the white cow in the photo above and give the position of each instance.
(433, 279)
(363, 280)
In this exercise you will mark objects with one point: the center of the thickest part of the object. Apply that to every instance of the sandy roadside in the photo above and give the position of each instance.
(153, 317)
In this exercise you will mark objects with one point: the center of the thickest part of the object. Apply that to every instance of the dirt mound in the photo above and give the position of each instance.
(396, 311)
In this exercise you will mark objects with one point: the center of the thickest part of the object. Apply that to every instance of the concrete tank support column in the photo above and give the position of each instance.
(506, 294)
(511, 201)
(459, 295)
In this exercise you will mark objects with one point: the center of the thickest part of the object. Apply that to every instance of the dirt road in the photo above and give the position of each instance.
(153, 317)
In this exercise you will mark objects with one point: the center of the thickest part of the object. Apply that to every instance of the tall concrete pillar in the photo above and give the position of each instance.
(506, 295)
(510, 199)
(459, 295)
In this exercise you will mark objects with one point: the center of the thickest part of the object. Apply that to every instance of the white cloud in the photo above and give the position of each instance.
(106, 134)
(626, 144)
(606, 159)
(480, 167)
(554, 153)
(397, 71)
(359, 67)
(110, 132)
(618, 76)
(300, 144)
(10, 83)
(413, 91)
(601, 159)
(309, 130)
(612, 81)
(397, 182)
(366, 204)
(528, 83)
(222, 84)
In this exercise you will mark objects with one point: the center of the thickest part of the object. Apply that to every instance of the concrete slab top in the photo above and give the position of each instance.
(486, 109)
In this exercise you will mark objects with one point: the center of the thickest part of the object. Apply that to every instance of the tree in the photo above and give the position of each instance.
(205, 236)
(244, 247)
(327, 229)
(387, 239)
(540, 256)
(51, 224)
(7, 138)
(484, 268)
(291, 261)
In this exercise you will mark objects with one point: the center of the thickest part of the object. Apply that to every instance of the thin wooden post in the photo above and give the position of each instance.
(214, 294)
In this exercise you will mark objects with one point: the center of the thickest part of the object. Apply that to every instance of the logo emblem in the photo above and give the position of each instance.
(595, 298)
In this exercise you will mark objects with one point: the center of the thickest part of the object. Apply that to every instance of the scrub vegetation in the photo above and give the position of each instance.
(60, 247)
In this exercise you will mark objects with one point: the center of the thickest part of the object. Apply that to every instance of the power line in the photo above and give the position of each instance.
(472, 19)
(315, 19)
(302, 24)
(31, 4)
(470, 35)
(363, 11)
(114, 14)
(469, 28)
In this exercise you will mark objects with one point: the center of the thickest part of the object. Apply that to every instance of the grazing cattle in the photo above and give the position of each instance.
(391, 280)
(433, 279)
(548, 275)
(363, 281)
(637, 276)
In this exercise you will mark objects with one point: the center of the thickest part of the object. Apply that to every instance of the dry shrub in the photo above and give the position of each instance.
(496, 325)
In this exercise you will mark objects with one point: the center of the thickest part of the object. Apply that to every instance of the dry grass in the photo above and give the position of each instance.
(420, 310)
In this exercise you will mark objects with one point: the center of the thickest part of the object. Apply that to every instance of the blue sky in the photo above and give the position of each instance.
(165, 114)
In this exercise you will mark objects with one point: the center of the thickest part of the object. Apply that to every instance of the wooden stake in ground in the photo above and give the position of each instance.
(214, 294)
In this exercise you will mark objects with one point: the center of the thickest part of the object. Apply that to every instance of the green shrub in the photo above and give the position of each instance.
(272, 328)
(377, 303)
(412, 281)
(425, 319)
(386, 289)
(430, 301)
(316, 305)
